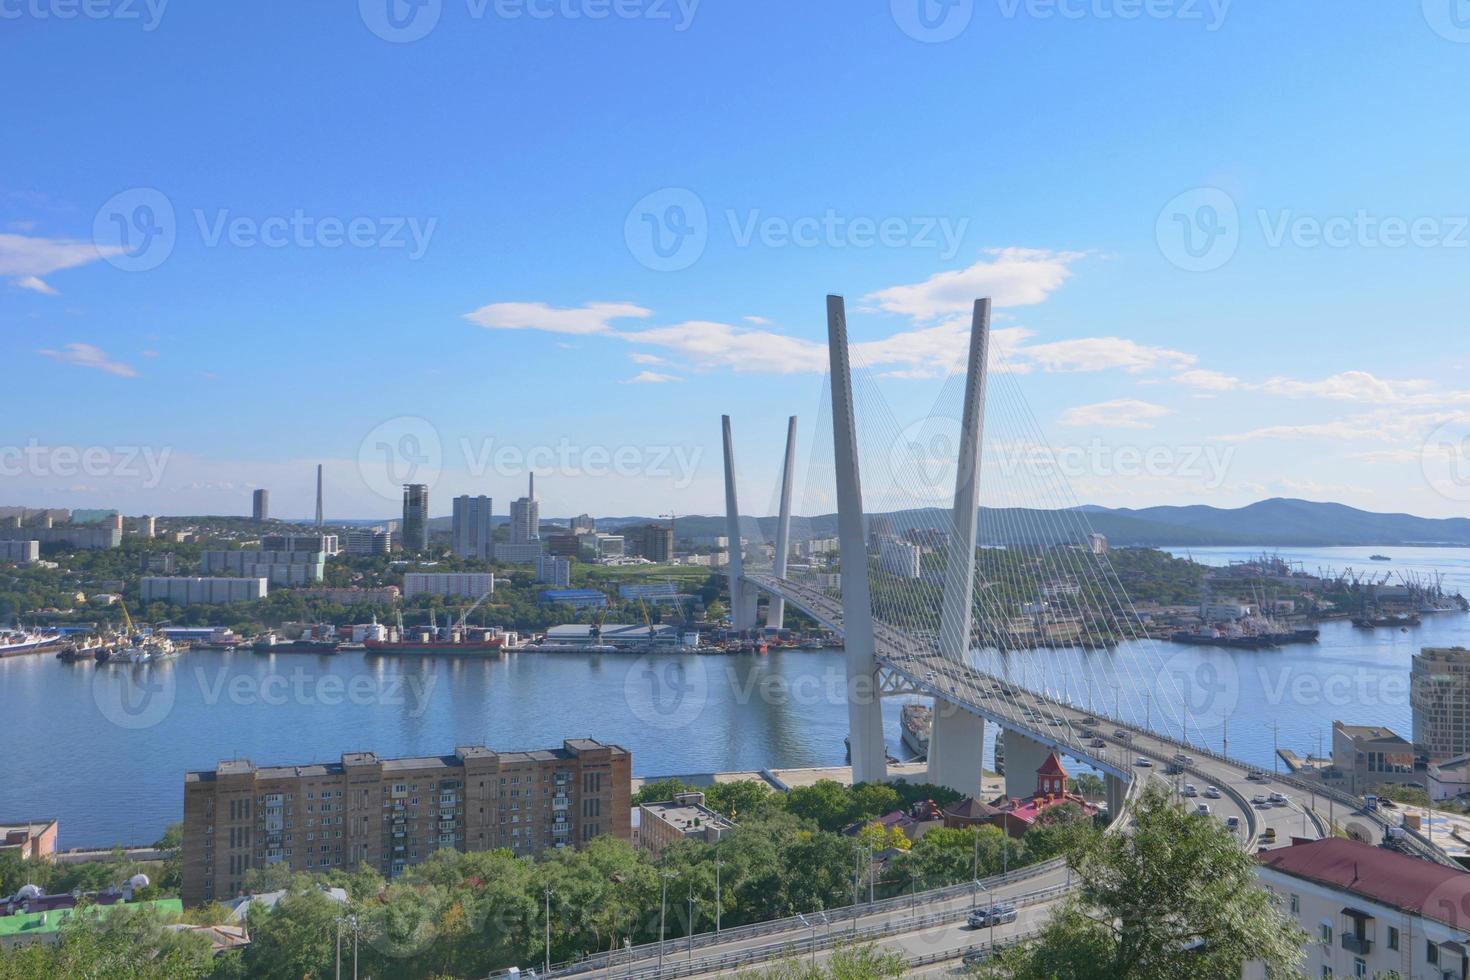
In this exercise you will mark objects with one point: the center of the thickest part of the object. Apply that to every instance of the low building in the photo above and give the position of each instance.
(20, 552)
(685, 817)
(80, 538)
(576, 598)
(1223, 610)
(395, 813)
(969, 812)
(1449, 779)
(31, 840)
(518, 553)
(369, 543)
(1370, 911)
(38, 918)
(1366, 756)
(326, 544)
(469, 585)
(620, 635)
(277, 567)
(553, 571)
(185, 591)
(1053, 790)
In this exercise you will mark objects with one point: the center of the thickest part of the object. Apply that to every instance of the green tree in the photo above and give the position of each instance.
(826, 803)
(1175, 897)
(1059, 830)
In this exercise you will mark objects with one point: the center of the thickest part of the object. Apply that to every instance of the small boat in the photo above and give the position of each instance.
(1379, 558)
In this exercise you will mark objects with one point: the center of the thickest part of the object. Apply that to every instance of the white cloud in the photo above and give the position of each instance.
(650, 378)
(27, 259)
(1102, 354)
(1122, 413)
(1356, 386)
(89, 356)
(719, 345)
(1208, 380)
(759, 321)
(593, 318)
(37, 284)
(1012, 277)
(645, 359)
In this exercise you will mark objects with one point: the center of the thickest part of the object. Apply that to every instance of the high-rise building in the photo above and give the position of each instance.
(899, 558)
(318, 494)
(525, 517)
(1439, 692)
(652, 541)
(369, 542)
(553, 571)
(415, 517)
(583, 523)
(469, 585)
(471, 527)
(395, 813)
(145, 526)
(260, 506)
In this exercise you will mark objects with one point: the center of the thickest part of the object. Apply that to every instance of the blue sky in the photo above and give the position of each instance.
(501, 174)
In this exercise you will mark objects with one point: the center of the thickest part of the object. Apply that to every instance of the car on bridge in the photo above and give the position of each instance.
(1098, 743)
(1213, 792)
(994, 915)
(1144, 761)
(1190, 790)
(1232, 824)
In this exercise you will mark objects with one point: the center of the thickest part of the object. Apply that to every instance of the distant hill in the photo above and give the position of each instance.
(1279, 521)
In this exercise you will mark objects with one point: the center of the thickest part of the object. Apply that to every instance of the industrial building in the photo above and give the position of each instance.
(395, 813)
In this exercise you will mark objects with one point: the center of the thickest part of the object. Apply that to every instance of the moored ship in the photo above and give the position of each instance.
(16, 642)
(917, 722)
(317, 640)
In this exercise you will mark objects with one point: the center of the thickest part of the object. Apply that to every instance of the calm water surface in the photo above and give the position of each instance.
(105, 748)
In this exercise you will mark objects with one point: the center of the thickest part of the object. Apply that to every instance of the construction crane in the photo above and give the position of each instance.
(127, 620)
(647, 620)
(478, 603)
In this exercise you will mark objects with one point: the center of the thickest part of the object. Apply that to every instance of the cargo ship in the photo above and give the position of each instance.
(441, 641)
(316, 640)
(917, 722)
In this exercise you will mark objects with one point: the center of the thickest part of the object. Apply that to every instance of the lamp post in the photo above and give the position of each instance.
(548, 930)
(691, 922)
(663, 905)
(718, 902)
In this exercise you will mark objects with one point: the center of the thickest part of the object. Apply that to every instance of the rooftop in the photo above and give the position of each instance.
(1377, 733)
(570, 749)
(1393, 879)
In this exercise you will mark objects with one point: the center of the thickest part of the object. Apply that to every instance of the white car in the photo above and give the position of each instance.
(1143, 762)
(1213, 792)
(1259, 800)
(1190, 790)
(1279, 799)
(1232, 824)
(1203, 809)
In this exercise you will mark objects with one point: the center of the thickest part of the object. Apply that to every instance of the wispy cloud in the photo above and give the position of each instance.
(1122, 413)
(90, 356)
(650, 378)
(26, 259)
(593, 318)
(1103, 354)
(1352, 386)
(1010, 277)
(645, 359)
(1204, 380)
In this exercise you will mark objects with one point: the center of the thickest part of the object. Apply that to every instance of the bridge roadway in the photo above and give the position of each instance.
(1113, 747)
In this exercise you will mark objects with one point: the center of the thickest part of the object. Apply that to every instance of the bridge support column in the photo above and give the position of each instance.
(1116, 790)
(957, 749)
(1024, 755)
(742, 606)
(864, 703)
(776, 605)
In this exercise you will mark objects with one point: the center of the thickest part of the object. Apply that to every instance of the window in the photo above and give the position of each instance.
(1431, 952)
(1360, 967)
(1296, 905)
(1326, 934)
(1393, 937)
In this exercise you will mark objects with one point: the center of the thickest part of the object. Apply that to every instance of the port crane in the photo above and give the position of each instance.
(478, 603)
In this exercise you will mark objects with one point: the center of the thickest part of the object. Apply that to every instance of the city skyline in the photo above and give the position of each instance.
(515, 298)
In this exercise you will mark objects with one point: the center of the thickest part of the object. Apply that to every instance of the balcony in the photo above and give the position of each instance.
(1360, 945)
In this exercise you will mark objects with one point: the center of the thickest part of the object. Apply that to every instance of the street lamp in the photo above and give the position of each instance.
(548, 930)
(663, 905)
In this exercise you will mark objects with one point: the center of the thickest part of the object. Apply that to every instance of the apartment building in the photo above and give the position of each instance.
(1439, 691)
(394, 813)
(1369, 911)
(469, 585)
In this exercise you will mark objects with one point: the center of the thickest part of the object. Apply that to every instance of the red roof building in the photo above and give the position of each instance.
(1053, 789)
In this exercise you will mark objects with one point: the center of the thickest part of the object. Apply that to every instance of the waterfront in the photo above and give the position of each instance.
(105, 748)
